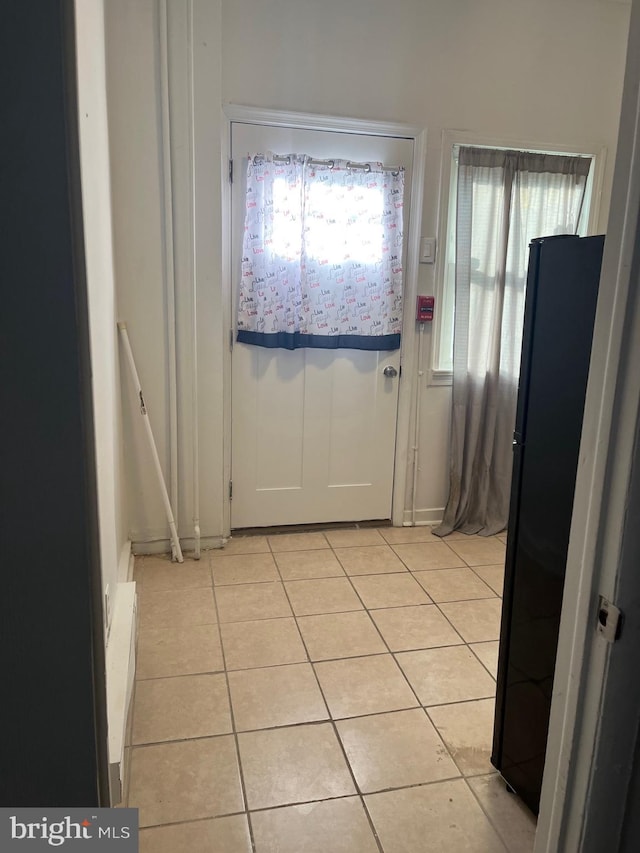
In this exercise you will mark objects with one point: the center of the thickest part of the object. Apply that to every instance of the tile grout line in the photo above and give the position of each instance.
(487, 815)
(232, 715)
(331, 720)
(446, 746)
(323, 720)
(336, 734)
(436, 730)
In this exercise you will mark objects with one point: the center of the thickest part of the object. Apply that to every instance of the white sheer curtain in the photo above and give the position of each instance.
(322, 254)
(504, 200)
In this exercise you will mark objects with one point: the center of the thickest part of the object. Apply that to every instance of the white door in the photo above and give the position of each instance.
(313, 431)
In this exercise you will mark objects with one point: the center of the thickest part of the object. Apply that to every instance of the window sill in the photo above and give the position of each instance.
(440, 377)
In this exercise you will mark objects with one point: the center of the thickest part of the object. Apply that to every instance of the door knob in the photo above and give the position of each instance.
(390, 371)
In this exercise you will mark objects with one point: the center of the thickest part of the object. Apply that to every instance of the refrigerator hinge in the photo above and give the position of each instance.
(610, 619)
(230, 171)
(230, 490)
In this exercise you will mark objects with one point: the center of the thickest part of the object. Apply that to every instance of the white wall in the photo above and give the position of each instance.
(96, 201)
(538, 70)
(140, 229)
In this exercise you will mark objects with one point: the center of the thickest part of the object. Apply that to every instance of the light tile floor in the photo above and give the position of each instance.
(322, 692)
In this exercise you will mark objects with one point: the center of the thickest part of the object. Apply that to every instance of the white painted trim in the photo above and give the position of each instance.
(120, 676)
(598, 152)
(312, 121)
(408, 352)
(423, 517)
(336, 124)
(163, 546)
(125, 564)
(440, 377)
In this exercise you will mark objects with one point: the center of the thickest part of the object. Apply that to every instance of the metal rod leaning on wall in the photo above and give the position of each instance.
(122, 327)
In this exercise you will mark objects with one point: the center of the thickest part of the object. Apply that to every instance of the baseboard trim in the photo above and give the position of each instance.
(423, 517)
(125, 563)
(188, 543)
(121, 667)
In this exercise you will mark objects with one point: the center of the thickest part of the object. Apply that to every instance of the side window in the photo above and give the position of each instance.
(442, 365)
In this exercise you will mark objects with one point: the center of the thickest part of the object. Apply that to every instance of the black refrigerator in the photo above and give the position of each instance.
(560, 306)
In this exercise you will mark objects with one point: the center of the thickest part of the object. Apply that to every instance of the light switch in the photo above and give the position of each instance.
(427, 250)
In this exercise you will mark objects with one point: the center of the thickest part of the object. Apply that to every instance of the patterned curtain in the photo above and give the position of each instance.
(322, 254)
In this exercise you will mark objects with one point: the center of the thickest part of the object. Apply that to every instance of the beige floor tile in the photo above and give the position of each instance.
(467, 730)
(304, 565)
(422, 533)
(297, 542)
(244, 568)
(484, 551)
(429, 555)
(333, 826)
(453, 585)
(420, 627)
(340, 635)
(513, 820)
(367, 685)
(407, 535)
(395, 750)
(220, 835)
(268, 642)
(243, 545)
(450, 674)
(176, 608)
(276, 696)
(185, 781)
(178, 651)
(487, 653)
(293, 765)
(156, 559)
(244, 602)
(389, 590)
(325, 595)
(369, 560)
(138, 573)
(439, 818)
(492, 575)
(184, 707)
(349, 538)
(162, 574)
(475, 621)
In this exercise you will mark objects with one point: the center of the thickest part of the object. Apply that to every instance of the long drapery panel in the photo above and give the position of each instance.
(322, 254)
(504, 200)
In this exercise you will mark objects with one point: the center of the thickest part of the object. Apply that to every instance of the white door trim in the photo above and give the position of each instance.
(311, 121)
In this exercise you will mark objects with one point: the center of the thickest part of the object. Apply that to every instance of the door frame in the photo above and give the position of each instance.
(408, 347)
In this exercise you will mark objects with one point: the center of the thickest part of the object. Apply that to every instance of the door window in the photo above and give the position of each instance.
(322, 254)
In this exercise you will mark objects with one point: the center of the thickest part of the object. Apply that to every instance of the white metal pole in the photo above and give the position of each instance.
(175, 542)
(194, 305)
(168, 252)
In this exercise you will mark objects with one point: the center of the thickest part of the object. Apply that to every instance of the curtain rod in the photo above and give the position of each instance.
(366, 167)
